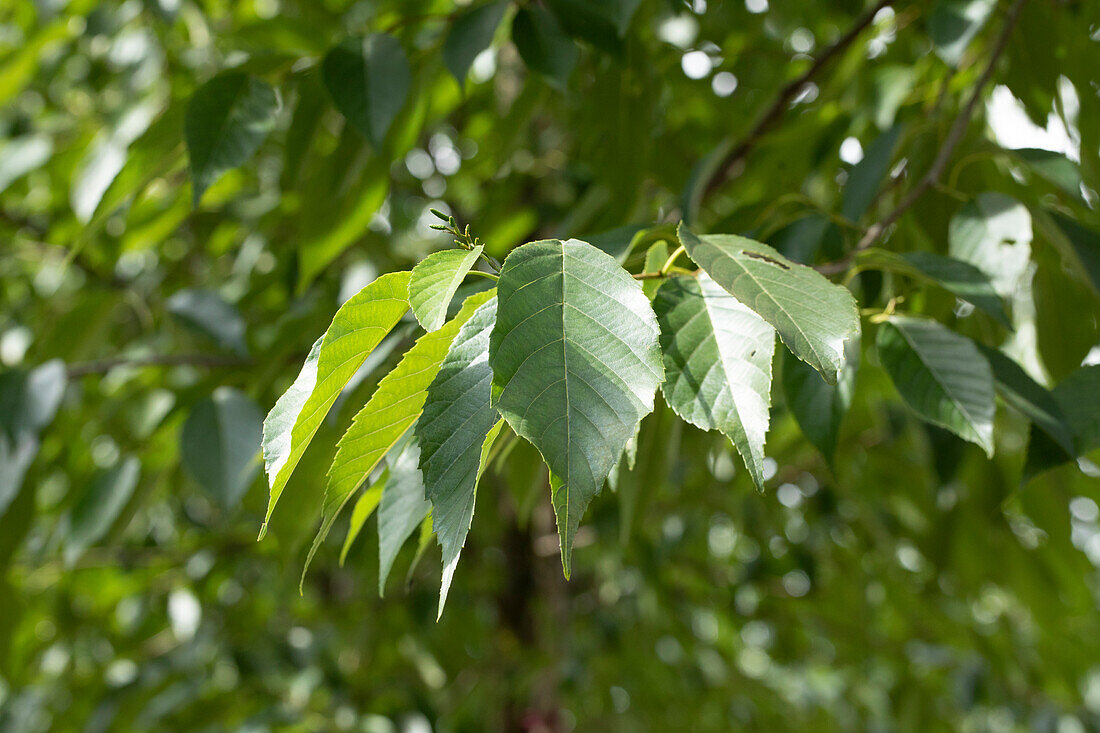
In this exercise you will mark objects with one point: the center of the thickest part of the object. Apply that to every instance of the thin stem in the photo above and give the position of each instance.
(481, 273)
(728, 169)
(102, 366)
(947, 149)
(671, 260)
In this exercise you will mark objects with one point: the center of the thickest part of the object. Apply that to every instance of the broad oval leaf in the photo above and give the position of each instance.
(817, 406)
(543, 45)
(813, 316)
(226, 120)
(718, 364)
(941, 375)
(391, 411)
(576, 363)
(434, 282)
(220, 444)
(359, 326)
(369, 80)
(401, 509)
(993, 233)
(471, 34)
(451, 432)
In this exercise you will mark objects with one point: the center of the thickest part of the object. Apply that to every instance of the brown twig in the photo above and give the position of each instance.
(728, 168)
(102, 366)
(954, 137)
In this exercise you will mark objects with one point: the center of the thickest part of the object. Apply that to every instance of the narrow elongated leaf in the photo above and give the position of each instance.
(369, 80)
(16, 455)
(457, 418)
(402, 508)
(600, 22)
(471, 34)
(99, 506)
(220, 444)
(718, 364)
(813, 316)
(819, 407)
(1085, 246)
(435, 279)
(543, 45)
(1029, 397)
(961, 278)
(576, 363)
(390, 412)
(941, 375)
(993, 233)
(226, 120)
(359, 326)
(360, 513)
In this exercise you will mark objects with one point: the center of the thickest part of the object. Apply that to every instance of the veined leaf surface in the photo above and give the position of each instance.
(718, 364)
(457, 418)
(813, 316)
(359, 326)
(434, 282)
(941, 375)
(575, 362)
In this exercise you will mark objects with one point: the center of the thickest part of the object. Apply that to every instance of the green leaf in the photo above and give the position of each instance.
(358, 327)
(435, 279)
(390, 412)
(993, 233)
(600, 22)
(16, 456)
(29, 400)
(21, 155)
(817, 406)
(1077, 396)
(655, 258)
(1029, 397)
(576, 363)
(1067, 321)
(958, 277)
(941, 375)
(865, 178)
(99, 506)
(813, 316)
(206, 312)
(542, 45)
(718, 364)
(452, 432)
(226, 120)
(1084, 244)
(360, 513)
(220, 444)
(402, 508)
(369, 80)
(953, 25)
(471, 34)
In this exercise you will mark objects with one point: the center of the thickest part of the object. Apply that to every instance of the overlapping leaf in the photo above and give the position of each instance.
(941, 375)
(718, 364)
(390, 412)
(993, 233)
(359, 326)
(456, 420)
(813, 316)
(402, 507)
(220, 444)
(435, 279)
(471, 34)
(817, 406)
(575, 362)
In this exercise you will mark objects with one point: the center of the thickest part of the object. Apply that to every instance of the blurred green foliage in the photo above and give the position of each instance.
(907, 583)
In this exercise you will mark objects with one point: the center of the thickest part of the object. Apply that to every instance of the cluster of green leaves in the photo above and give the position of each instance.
(149, 314)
